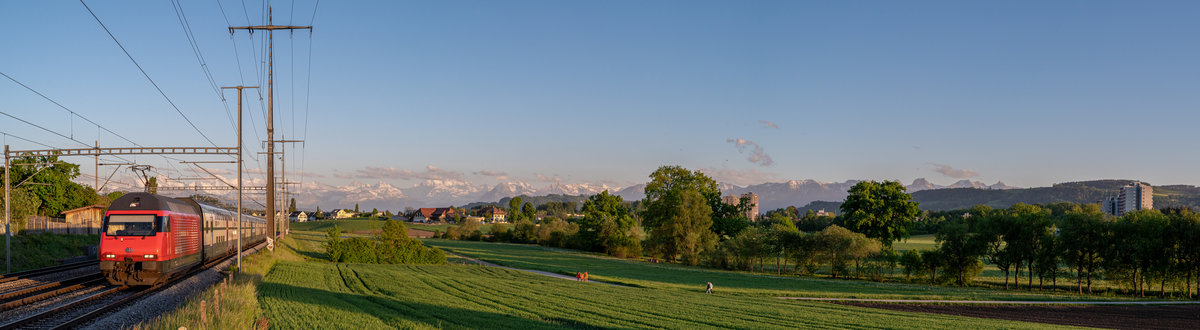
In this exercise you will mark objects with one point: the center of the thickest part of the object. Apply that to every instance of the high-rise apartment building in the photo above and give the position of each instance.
(752, 211)
(1132, 197)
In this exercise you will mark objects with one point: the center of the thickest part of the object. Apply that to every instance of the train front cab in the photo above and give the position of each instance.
(145, 247)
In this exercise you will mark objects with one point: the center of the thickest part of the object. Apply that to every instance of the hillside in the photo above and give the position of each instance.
(1072, 192)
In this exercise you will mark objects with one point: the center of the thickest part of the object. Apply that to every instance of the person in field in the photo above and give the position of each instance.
(585, 276)
(578, 276)
(709, 290)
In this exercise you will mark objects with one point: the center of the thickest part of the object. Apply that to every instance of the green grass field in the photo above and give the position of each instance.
(919, 242)
(346, 225)
(673, 276)
(326, 295)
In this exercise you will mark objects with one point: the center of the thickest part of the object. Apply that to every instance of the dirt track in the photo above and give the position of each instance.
(1099, 316)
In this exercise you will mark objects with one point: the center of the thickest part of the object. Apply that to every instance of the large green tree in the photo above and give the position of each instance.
(514, 209)
(880, 210)
(48, 180)
(678, 213)
(608, 225)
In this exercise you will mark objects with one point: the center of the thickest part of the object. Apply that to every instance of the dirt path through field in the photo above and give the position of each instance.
(565, 277)
(1099, 316)
(993, 302)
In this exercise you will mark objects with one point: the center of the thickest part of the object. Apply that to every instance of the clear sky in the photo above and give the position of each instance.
(1028, 92)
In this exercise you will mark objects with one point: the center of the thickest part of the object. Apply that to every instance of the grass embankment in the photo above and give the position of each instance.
(33, 251)
(239, 306)
(674, 276)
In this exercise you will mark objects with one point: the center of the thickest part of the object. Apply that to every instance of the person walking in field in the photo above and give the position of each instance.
(578, 276)
(709, 290)
(585, 276)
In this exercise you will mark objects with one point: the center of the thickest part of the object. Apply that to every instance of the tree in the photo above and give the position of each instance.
(355, 207)
(1083, 236)
(24, 205)
(514, 209)
(49, 181)
(911, 261)
(529, 212)
(292, 206)
(607, 225)
(880, 210)
(152, 185)
(960, 251)
(678, 213)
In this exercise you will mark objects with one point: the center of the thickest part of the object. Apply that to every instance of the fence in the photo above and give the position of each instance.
(44, 224)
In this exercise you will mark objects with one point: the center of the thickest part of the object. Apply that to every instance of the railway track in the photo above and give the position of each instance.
(46, 271)
(101, 299)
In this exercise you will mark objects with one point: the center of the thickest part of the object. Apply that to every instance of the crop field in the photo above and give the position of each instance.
(692, 279)
(345, 225)
(327, 295)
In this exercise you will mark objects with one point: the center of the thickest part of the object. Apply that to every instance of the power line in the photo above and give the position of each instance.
(187, 32)
(43, 128)
(27, 140)
(65, 108)
(139, 66)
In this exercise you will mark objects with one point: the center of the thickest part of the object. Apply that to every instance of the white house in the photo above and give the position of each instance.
(342, 214)
(298, 216)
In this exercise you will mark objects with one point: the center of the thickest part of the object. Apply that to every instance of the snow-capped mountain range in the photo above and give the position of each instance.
(450, 192)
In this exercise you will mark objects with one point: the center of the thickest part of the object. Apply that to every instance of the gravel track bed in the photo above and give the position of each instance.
(25, 283)
(50, 303)
(64, 316)
(165, 300)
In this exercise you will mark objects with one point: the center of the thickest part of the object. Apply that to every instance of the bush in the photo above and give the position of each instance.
(391, 246)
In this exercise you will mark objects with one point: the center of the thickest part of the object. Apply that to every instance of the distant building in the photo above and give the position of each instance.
(88, 218)
(752, 211)
(496, 214)
(1132, 197)
(298, 216)
(342, 214)
(432, 214)
(823, 213)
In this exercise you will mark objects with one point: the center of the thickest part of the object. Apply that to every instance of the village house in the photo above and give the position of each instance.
(342, 214)
(433, 214)
(497, 214)
(298, 216)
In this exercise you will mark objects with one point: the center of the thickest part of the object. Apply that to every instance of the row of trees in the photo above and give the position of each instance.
(1135, 250)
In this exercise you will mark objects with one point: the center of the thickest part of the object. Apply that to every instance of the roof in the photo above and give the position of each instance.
(429, 212)
(97, 206)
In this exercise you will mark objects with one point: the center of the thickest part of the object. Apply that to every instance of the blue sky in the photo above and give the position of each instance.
(1028, 92)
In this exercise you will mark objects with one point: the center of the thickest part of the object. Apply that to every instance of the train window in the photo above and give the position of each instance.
(166, 224)
(131, 225)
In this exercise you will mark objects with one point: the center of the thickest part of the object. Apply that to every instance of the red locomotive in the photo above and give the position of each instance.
(149, 238)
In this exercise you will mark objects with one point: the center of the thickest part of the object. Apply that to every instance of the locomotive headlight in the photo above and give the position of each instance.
(150, 256)
(110, 256)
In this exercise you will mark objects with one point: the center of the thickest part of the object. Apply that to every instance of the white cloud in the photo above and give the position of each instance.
(757, 154)
(954, 172)
(740, 177)
(494, 174)
(768, 124)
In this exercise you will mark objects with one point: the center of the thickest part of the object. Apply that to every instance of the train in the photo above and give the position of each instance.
(148, 239)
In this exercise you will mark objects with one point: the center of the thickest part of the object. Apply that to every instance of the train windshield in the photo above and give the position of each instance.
(131, 225)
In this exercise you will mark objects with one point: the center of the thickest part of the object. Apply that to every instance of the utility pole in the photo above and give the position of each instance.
(7, 215)
(239, 170)
(285, 203)
(270, 28)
